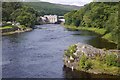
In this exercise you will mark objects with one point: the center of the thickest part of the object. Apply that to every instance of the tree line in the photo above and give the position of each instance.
(98, 15)
(16, 11)
(45, 8)
(26, 13)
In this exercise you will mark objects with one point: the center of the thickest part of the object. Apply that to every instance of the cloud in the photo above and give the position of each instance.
(70, 2)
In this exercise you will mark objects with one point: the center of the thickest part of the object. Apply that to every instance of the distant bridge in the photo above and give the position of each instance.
(61, 18)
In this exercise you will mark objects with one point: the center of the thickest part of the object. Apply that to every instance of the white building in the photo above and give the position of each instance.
(51, 18)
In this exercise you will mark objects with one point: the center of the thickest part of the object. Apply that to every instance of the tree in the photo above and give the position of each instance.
(8, 8)
(26, 19)
(99, 15)
(68, 17)
(26, 16)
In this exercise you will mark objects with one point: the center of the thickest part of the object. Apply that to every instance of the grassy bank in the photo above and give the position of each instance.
(99, 67)
(17, 31)
(5, 27)
(101, 31)
(10, 29)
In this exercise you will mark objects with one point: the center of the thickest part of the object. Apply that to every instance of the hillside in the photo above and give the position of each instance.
(97, 15)
(50, 8)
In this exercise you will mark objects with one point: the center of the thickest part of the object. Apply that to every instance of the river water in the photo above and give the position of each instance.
(39, 53)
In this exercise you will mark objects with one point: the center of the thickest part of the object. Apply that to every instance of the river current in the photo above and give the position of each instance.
(39, 53)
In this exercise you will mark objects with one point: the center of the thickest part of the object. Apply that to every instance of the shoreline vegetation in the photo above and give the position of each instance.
(99, 17)
(83, 57)
(28, 14)
(17, 31)
(7, 30)
(100, 31)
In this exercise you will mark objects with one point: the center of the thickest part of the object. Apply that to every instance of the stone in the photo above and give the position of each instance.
(75, 53)
(71, 58)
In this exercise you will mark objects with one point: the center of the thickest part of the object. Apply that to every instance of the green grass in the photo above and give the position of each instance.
(22, 26)
(70, 50)
(103, 68)
(10, 26)
(99, 31)
(109, 37)
(100, 67)
(96, 30)
(5, 27)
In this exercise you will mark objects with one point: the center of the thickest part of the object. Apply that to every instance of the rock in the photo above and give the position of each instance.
(71, 58)
(83, 49)
(72, 61)
(75, 53)
(68, 61)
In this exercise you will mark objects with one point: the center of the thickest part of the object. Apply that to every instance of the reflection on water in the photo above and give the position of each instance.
(39, 53)
(68, 73)
(96, 42)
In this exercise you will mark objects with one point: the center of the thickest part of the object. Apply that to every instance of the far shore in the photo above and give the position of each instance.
(101, 31)
(17, 31)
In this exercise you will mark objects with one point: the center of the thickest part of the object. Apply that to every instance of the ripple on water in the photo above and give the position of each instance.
(39, 53)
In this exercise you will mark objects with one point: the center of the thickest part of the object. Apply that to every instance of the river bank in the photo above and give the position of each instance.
(101, 31)
(83, 57)
(7, 30)
(17, 31)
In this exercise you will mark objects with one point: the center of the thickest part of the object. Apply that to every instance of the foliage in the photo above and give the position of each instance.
(106, 64)
(82, 61)
(88, 65)
(100, 31)
(17, 12)
(26, 13)
(101, 15)
(68, 17)
(49, 8)
(111, 60)
(8, 8)
(6, 27)
(26, 19)
(108, 36)
(72, 49)
(85, 63)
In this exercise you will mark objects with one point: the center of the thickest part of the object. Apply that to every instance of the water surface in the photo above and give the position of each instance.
(39, 53)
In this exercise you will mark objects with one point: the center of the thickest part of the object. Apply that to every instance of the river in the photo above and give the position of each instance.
(39, 53)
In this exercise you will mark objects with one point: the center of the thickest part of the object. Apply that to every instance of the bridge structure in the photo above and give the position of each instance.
(61, 18)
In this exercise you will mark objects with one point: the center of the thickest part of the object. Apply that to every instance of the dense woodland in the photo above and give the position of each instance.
(98, 15)
(16, 11)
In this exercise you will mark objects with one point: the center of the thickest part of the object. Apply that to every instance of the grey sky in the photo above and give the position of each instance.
(70, 2)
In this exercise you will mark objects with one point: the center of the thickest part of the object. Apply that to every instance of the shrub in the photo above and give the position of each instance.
(88, 64)
(111, 60)
(82, 61)
(71, 50)
(85, 63)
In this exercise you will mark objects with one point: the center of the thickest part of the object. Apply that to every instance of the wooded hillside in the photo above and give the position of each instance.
(98, 15)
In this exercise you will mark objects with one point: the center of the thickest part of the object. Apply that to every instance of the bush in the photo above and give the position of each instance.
(88, 64)
(71, 50)
(82, 61)
(85, 63)
(111, 60)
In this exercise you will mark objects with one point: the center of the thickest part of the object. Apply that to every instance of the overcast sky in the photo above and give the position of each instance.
(70, 2)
